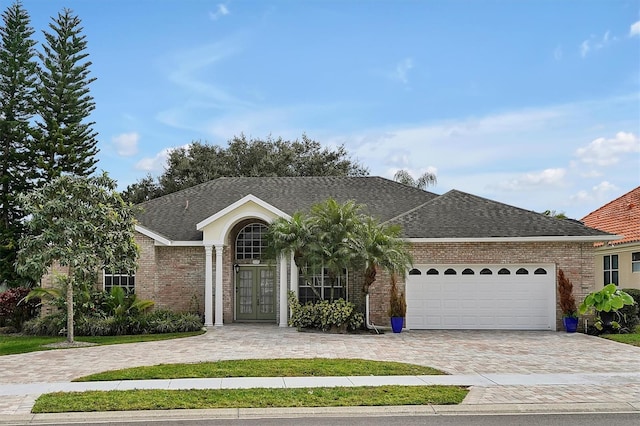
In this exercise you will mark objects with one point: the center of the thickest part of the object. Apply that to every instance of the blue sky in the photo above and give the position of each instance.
(532, 103)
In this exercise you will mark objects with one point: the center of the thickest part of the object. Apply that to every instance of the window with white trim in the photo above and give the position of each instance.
(120, 279)
(610, 267)
(635, 262)
(317, 285)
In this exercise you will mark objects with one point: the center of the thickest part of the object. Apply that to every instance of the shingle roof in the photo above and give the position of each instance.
(423, 214)
(457, 214)
(176, 215)
(620, 216)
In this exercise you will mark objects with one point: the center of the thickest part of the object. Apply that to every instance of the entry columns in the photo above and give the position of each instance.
(283, 292)
(208, 286)
(218, 310)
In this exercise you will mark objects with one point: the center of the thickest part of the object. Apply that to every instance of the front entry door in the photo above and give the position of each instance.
(255, 294)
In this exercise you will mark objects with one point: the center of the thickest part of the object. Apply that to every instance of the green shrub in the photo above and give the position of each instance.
(161, 321)
(51, 325)
(324, 315)
(165, 321)
(630, 314)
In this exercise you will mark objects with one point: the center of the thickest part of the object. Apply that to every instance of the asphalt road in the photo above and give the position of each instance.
(555, 419)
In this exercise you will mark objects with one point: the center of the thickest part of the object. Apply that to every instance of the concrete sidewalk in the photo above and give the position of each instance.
(477, 380)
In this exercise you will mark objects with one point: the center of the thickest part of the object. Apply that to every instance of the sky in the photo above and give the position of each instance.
(533, 103)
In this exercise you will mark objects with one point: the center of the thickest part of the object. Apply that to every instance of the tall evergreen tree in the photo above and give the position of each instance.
(67, 142)
(17, 163)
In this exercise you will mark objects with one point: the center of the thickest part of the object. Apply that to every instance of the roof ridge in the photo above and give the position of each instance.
(437, 196)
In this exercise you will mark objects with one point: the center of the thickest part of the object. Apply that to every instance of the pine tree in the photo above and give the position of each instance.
(17, 164)
(67, 142)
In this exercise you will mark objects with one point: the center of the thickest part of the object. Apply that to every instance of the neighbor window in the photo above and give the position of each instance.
(610, 267)
(120, 279)
(317, 285)
(635, 261)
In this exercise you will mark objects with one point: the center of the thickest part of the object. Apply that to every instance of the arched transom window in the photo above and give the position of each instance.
(250, 243)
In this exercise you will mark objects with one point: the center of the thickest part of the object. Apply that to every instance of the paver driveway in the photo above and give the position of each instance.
(455, 352)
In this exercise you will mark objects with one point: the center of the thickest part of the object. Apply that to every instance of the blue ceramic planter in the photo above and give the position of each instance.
(570, 324)
(396, 324)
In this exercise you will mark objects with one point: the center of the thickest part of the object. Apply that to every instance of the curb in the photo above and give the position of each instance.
(363, 411)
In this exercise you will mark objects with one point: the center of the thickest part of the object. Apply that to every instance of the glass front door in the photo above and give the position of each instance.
(255, 294)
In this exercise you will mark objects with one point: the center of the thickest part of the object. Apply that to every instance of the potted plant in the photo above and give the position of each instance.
(605, 303)
(567, 303)
(397, 306)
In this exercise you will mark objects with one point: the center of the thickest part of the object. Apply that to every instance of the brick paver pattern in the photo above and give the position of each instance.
(455, 352)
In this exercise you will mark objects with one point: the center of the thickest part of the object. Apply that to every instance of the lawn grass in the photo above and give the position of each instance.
(630, 339)
(11, 344)
(147, 399)
(266, 368)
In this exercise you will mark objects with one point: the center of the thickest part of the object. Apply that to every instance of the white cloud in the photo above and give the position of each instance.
(221, 10)
(158, 162)
(594, 43)
(606, 152)
(584, 48)
(126, 144)
(402, 70)
(542, 179)
(635, 29)
(597, 194)
(557, 53)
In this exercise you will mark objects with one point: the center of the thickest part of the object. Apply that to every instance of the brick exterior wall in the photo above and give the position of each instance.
(174, 277)
(575, 259)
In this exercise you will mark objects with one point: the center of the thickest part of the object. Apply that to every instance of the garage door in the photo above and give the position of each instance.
(517, 297)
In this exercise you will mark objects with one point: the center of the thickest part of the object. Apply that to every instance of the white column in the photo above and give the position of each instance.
(294, 276)
(208, 286)
(283, 291)
(218, 310)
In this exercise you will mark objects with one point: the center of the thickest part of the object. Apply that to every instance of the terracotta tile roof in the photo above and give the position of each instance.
(620, 216)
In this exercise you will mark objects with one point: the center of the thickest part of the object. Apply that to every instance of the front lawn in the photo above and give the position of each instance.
(630, 339)
(147, 399)
(266, 368)
(12, 344)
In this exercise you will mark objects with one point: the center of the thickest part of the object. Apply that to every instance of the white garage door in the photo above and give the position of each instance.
(517, 297)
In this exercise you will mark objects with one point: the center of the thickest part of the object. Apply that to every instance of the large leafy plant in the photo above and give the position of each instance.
(608, 299)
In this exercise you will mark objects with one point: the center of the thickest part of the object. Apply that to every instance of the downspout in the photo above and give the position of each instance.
(370, 325)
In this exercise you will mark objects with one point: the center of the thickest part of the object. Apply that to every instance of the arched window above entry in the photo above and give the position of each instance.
(250, 243)
(415, 271)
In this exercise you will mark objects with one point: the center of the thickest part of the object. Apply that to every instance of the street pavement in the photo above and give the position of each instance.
(507, 371)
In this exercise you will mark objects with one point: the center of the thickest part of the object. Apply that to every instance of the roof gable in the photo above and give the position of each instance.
(620, 216)
(242, 202)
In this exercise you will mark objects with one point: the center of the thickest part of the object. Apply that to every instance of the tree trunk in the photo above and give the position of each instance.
(70, 310)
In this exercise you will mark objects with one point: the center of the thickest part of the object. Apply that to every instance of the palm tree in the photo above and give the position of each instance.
(339, 237)
(383, 248)
(425, 180)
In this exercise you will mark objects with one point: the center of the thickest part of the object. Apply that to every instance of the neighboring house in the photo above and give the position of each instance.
(618, 261)
(478, 264)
